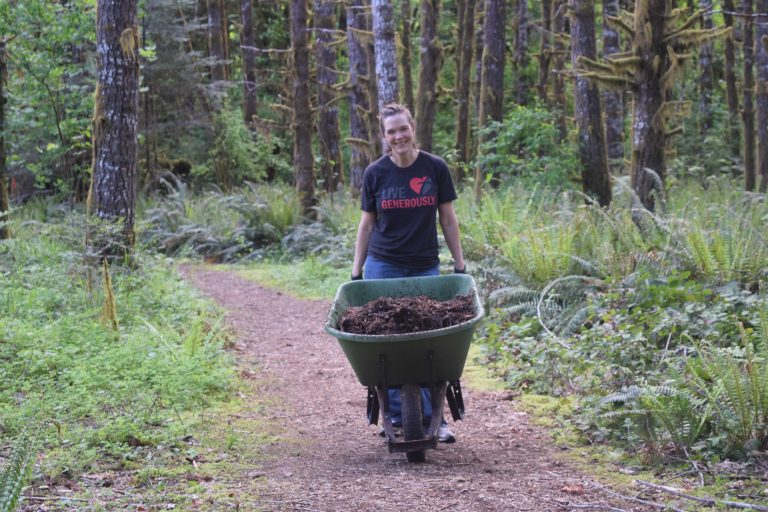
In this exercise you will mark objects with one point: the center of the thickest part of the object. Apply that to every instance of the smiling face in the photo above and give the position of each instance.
(399, 134)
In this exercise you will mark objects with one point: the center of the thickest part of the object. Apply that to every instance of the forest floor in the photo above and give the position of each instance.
(328, 459)
(295, 438)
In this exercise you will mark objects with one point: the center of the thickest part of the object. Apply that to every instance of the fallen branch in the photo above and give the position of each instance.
(709, 502)
(593, 506)
(631, 499)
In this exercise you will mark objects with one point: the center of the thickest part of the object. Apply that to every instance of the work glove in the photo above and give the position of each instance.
(460, 270)
(357, 278)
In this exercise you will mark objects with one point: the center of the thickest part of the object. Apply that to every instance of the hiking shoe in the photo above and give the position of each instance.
(444, 435)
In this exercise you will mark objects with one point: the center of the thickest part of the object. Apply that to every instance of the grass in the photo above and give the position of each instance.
(134, 406)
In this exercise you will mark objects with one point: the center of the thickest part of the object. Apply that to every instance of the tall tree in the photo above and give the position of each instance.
(358, 25)
(748, 111)
(463, 81)
(520, 56)
(302, 113)
(217, 40)
(431, 54)
(649, 71)
(731, 95)
(492, 78)
(558, 75)
(5, 206)
(586, 98)
(761, 63)
(545, 50)
(385, 52)
(328, 112)
(706, 72)
(612, 99)
(112, 196)
(406, 57)
(247, 41)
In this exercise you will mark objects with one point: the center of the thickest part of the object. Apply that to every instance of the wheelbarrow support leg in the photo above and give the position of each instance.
(383, 399)
(455, 400)
(372, 406)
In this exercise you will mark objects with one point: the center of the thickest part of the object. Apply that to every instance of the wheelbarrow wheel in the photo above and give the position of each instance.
(413, 428)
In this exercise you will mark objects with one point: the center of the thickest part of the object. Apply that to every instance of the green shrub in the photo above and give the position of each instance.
(525, 146)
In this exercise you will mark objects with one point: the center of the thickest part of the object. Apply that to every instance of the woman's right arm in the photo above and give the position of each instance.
(367, 222)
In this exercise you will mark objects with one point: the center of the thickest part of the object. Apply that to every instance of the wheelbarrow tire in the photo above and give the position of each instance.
(413, 428)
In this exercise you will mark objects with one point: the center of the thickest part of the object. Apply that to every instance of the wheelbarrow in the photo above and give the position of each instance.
(432, 359)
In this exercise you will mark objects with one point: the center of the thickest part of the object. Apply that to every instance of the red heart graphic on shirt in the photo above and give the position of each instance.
(417, 183)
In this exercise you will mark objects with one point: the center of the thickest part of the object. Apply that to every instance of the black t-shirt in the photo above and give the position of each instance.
(405, 200)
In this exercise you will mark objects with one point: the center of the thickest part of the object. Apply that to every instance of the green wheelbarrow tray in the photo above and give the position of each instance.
(413, 358)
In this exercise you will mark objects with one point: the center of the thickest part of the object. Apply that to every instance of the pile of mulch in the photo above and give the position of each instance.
(400, 315)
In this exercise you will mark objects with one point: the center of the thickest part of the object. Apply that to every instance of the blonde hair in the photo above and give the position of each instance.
(393, 109)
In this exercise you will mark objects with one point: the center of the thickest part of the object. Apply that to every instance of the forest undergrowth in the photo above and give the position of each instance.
(649, 330)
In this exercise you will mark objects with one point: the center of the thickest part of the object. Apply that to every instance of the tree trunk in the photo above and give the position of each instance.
(612, 100)
(250, 96)
(217, 40)
(761, 63)
(430, 53)
(328, 113)
(595, 178)
(478, 57)
(748, 113)
(648, 137)
(385, 53)
(492, 79)
(706, 78)
(112, 196)
(545, 52)
(732, 96)
(463, 86)
(558, 81)
(359, 101)
(520, 57)
(5, 206)
(406, 57)
(302, 112)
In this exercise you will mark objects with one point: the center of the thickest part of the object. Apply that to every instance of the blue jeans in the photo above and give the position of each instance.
(376, 268)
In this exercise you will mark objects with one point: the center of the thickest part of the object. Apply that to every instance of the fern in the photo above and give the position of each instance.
(16, 473)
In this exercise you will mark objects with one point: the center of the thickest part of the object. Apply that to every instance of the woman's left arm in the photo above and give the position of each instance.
(450, 226)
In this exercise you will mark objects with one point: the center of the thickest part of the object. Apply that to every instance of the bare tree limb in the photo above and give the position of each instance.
(709, 502)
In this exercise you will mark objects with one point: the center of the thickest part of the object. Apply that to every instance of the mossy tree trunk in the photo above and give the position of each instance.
(5, 206)
(463, 84)
(545, 51)
(558, 81)
(217, 39)
(520, 56)
(302, 112)
(478, 56)
(748, 110)
(586, 98)
(406, 56)
(732, 96)
(761, 64)
(430, 52)
(612, 100)
(247, 39)
(112, 196)
(358, 24)
(648, 136)
(385, 52)
(492, 78)
(328, 112)
(706, 72)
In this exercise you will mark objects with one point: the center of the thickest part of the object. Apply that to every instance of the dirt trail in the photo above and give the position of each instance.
(330, 460)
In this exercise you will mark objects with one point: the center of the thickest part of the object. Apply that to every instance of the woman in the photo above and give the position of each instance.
(397, 235)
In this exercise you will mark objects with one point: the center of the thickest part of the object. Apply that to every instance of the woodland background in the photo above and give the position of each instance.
(612, 162)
